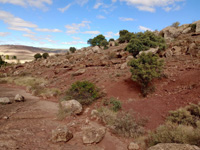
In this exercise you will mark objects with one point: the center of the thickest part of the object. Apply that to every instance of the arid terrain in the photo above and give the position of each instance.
(29, 124)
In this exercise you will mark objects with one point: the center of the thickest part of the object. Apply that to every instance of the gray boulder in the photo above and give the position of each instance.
(5, 100)
(79, 72)
(72, 106)
(61, 134)
(93, 134)
(133, 146)
(173, 146)
(19, 98)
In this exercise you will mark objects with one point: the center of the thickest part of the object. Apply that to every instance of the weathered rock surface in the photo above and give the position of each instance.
(93, 134)
(61, 134)
(72, 106)
(79, 72)
(133, 146)
(5, 100)
(173, 146)
(19, 98)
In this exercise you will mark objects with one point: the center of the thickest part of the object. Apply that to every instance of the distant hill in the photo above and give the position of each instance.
(26, 53)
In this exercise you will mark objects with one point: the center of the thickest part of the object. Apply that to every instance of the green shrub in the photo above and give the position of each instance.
(173, 133)
(72, 49)
(189, 115)
(144, 41)
(175, 24)
(14, 57)
(96, 41)
(2, 62)
(83, 91)
(126, 125)
(193, 27)
(116, 104)
(124, 36)
(144, 69)
(45, 55)
(111, 39)
(7, 57)
(37, 56)
(116, 44)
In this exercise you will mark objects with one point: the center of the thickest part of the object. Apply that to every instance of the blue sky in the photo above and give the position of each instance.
(67, 23)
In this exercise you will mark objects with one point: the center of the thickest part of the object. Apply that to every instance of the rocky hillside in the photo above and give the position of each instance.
(109, 71)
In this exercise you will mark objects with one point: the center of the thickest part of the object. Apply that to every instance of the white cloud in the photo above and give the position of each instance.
(91, 32)
(3, 34)
(40, 39)
(101, 17)
(150, 5)
(76, 38)
(116, 34)
(74, 43)
(167, 9)
(126, 19)
(65, 8)
(144, 28)
(75, 28)
(16, 23)
(48, 30)
(114, 1)
(33, 3)
(81, 2)
(97, 5)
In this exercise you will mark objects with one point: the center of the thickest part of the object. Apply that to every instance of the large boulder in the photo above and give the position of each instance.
(170, 33)
(173, 146)
(5, 100)
(61, 134)
(197, 26)
(19, 98)
(96, 49)
(93, 134)
(72, 106)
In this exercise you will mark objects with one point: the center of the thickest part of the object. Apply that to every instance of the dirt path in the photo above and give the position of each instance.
(30, 124)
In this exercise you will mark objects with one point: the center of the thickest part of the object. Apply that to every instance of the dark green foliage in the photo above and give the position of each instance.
(2, 62)
(45, 55)
(116, 104)
(83, 91)
(124, 36)
(14, 57)
(96, 41)
(145, 69)
(37, 56)
(111, 39)
(7, 57)
(193, 27)
(72, 49)
(189, 115)
(104, 43)
(175, 24)
(144, 41)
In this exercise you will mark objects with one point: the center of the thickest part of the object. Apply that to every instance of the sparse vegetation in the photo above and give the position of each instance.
(111, 39)
(45, 55)
(193, 27)
(14, 57)
(2, 62)
(37, 56)
(144, 41)
(116, 104)
(182, 126)
(124, 36)
(175, 24)
(72, 49)
(145, 69)
(83, 91)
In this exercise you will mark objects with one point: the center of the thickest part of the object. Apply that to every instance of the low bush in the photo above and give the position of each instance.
(175, 24)
(173, 133)
(116, 104)
(72, 49)
(83, 91)
(45, 55)
(193, 27)
(37, 56)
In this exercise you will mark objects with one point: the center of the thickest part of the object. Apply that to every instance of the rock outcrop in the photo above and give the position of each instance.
(173, 146)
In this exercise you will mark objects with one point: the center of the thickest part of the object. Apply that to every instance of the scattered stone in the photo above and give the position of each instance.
(5, 100)
(94, 113)
(173, 146)
(123, 66)
(19, 98)
(79, 72)
(187, 30)
(61, 134)
(152, 50)
(72, 106)
(176, 50)
(129, 58)
(168, 54)
(5, 118)
(133, 146)
(93, 134)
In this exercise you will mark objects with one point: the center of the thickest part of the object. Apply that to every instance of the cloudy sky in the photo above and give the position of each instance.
(66, 23)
